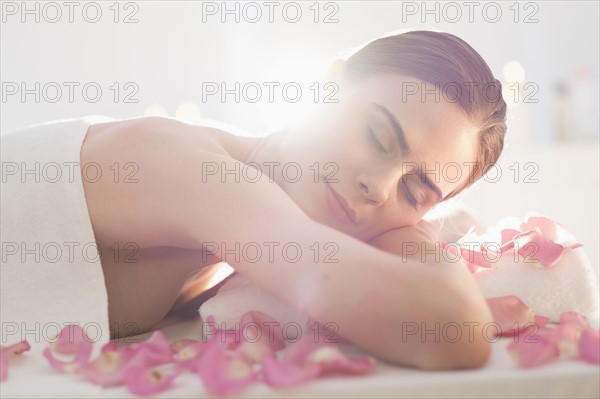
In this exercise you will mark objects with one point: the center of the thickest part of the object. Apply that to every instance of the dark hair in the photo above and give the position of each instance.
(444, 59)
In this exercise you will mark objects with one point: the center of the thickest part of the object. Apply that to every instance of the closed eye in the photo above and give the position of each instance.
(411, 199)
(375, 139)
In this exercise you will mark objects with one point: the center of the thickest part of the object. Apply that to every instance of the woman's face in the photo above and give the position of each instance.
(370, 147)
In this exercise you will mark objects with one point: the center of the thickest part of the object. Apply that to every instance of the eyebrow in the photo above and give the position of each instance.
(401, 138)
(391, 118)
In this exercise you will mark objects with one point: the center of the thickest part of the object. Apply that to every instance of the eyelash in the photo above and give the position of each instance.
(411, 199)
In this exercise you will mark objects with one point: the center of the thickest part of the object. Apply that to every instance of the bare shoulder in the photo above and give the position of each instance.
(153, 131)
(157, 182)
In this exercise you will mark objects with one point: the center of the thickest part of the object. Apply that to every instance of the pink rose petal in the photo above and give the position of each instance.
(589, 345)
(512, 314)
(228, 339)
(540, 241)
(224, 372)
(18, 348)
(299, 351)
(307, 352)
(109, 368)
(533, 351)
(566, 338)
(187, 351)
(575, 318)
(333, 361)
(307, 359)
(551, 230)
(149, 381)
(573, 338)
(180, 344)
(254, 352)
(261, 336)
(507, 235)
(71, 340)
(568, 335)
(475, 257)
(271, 330)
(543, 225)
(154, 351)
(282, 374)
(533, 246)
(541, 321)
(5, 352)
(3, 364)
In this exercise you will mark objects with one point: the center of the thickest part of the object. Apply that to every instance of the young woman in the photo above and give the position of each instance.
(353, 183)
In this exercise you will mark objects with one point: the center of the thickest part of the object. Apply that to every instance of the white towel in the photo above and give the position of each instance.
(51, 273)
(570, 285)
(239, 295)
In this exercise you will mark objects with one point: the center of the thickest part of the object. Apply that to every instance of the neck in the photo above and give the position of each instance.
(265, 152)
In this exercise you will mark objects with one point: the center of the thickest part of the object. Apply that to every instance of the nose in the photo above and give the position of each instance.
(376, 187)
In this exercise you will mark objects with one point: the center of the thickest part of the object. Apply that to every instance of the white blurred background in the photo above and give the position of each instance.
(545, 53)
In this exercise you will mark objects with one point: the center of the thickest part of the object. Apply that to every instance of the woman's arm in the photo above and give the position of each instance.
(456, 224)
(374, 298)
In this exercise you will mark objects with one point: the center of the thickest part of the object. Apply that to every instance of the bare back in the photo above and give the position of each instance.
(144, 278)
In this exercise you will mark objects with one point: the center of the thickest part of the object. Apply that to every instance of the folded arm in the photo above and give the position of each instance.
(374, 297)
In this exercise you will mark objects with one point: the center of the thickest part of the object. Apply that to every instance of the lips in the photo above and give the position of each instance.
(339, 206)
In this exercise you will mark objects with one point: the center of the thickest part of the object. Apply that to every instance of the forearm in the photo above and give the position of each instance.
(420, 244)
(370, 295)
(376, 299)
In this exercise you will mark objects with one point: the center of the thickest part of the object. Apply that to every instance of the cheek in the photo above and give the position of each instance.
(335, 148)
(343, 149)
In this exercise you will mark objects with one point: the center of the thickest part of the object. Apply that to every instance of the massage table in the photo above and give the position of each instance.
(31, 376)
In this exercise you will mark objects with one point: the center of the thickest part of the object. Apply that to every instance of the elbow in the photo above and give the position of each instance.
(438, 323)
(465, 345)
(473, 355)
(453, 335)
(456, 343)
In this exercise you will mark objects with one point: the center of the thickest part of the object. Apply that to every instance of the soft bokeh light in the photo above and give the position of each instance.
(155, 110)
(304, 72)
(443, 208)
(512, 94)
(188, 111)
(513, 72)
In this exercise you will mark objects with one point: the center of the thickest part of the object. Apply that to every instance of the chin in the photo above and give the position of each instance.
(313, 204)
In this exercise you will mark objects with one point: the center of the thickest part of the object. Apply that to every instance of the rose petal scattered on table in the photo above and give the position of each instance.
(71, 340)
(224, 372)
(146, 381)
(278, 374)
(6, 351)
(511, 314)
(533, 351)
(589, 346)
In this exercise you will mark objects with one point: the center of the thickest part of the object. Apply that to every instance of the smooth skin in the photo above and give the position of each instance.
(371, 292)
